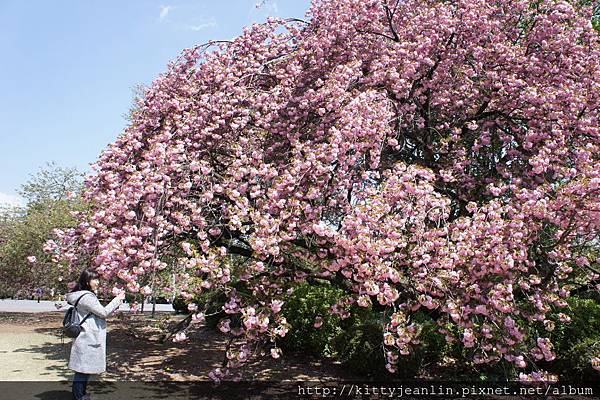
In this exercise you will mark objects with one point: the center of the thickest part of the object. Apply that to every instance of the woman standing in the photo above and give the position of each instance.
(88, 352)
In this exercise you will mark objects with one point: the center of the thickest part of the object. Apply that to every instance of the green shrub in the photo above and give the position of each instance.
(6, 292)
(576, 343)
(213, 303)
(429, 352)
(180, 305)
(301, 308)
(359, 344)
(357, 341)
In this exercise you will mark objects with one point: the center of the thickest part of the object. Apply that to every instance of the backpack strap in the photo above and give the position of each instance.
(75, 306)
(84, 318)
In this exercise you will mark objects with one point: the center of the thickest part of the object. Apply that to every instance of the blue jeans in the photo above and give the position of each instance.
(79, 385)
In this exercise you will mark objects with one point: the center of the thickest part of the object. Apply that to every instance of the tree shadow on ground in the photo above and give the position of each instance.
(51, 351)
(101, 390)
(54, 395)
(204, 351)
(159, 390)
(134, 353)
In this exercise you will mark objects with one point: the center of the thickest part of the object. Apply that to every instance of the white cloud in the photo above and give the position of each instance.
(211, 23)
(10, 200)
(164, 11)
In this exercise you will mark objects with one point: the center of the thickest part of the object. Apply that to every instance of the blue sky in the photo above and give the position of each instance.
(68, 69)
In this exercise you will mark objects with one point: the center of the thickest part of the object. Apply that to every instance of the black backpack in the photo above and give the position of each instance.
(71, 328)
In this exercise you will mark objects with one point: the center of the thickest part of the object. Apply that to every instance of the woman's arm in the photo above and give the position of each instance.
(91, 304)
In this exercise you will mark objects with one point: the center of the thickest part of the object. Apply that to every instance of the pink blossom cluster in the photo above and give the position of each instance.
(538, 377)
(596, 363)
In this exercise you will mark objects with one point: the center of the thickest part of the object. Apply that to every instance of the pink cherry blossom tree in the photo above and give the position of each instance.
(419, 154)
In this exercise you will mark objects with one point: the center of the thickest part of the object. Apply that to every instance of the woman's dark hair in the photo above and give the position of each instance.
(84, 279)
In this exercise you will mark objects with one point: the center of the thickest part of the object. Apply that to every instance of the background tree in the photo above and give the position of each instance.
(52, 195)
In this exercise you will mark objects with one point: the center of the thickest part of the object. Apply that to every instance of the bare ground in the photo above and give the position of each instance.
(31, 349)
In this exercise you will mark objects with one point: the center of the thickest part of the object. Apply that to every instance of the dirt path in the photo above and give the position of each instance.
(31, 350)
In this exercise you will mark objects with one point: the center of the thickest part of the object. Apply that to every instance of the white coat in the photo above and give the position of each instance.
(88, 352)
